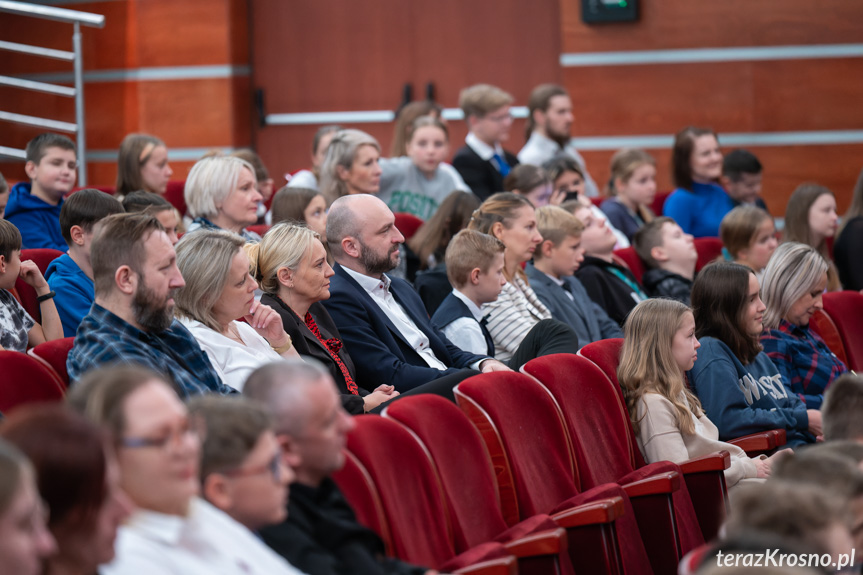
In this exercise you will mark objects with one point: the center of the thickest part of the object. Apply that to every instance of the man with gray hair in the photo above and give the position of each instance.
(321, 535)
(382, 320)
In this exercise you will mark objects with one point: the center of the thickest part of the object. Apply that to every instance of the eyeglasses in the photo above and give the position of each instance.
(193, 427)
(274, 466)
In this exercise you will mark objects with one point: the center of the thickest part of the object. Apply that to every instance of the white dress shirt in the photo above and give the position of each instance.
(206, 541)
(465, 332)
(233, 361)
(482, 149)
(379, 290)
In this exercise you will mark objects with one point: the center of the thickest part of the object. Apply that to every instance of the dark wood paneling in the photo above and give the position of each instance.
(672, 24)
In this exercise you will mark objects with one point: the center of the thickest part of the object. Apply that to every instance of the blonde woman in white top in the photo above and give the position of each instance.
(219, 291)
(659, 347)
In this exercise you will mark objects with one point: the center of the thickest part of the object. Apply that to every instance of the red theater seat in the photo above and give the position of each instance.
(53, 354)
(25, 380)
(845, 308)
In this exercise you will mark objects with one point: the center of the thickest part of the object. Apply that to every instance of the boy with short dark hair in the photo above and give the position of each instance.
(35, 207)
(71, 275)
(551, 276)
(482, 161)
(741, 178)
(18, 330)
(669, 256)
(842, 409)
(474, 267)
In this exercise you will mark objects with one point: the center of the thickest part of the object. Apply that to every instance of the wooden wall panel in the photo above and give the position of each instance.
(730, 96)
(674, 24)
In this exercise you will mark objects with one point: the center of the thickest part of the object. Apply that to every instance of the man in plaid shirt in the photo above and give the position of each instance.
(132, 320)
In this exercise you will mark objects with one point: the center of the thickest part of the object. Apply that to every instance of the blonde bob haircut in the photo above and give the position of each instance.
(284, 246)
(647, 363)
(204, 258)
(341, 152)
(210, 182)
(793, 270)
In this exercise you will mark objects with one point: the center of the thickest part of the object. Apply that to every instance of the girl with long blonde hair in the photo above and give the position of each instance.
(669, 422)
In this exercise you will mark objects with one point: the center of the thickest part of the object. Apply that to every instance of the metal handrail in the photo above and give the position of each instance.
(52, 13)
(76, 18)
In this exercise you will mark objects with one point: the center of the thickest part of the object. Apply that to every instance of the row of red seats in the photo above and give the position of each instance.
(553, 442)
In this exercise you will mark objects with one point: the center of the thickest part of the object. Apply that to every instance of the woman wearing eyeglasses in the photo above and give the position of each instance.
(158, 449)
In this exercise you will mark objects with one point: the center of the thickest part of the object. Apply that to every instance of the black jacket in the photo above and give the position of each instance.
(603, 286)
(482, 176)
(322, 536)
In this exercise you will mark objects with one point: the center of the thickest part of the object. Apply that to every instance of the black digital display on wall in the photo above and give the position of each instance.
(597, 11)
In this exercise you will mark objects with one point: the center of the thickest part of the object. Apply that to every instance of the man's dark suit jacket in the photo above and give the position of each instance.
(382, 354)
(480, 175)
(307, 345)
(322, 536)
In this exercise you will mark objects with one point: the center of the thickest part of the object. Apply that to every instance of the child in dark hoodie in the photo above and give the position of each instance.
(34, 208)
(71, 275)
(669, 256)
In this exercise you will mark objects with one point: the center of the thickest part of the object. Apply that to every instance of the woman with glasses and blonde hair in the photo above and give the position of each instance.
(158, 449)
(793, 287)
(219, 292)
(659, 348)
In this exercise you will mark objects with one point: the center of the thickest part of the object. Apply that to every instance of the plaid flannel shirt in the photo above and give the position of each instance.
(806, 363)
(105, 339)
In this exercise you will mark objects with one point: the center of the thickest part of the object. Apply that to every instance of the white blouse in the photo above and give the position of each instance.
(206, 541)
(233, 361)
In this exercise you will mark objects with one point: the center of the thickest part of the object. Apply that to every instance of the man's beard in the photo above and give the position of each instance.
(376, 265)
(561, 139)
(151, 314)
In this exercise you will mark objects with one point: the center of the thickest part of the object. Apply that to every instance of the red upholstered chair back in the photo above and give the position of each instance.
(174, 194)
(605, 353)
(463, 465)
(54, 354)
(408, 487)
(42, 257)
(408, 224)
(597, 424)
(845, 308)
(708, 250)
(659, 202)
(525, 436)
(25, 380)
(823, 325)
(358, 488)
(632, 261)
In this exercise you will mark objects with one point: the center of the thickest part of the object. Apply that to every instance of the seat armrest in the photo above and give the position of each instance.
(760, 442)
(593, 513)
(502, 566)
(661, 483)
(718, 461)
(550, 542)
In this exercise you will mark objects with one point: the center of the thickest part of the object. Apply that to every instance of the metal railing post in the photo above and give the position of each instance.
(79, 105)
